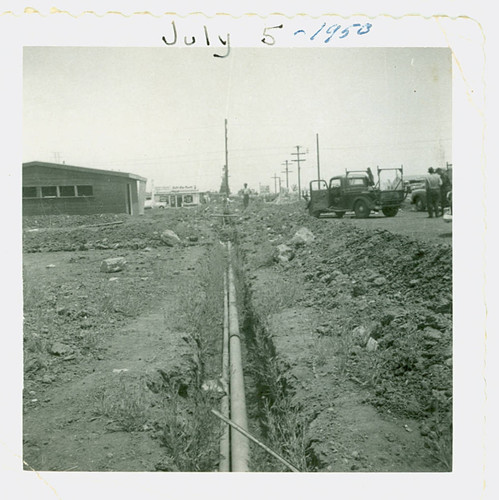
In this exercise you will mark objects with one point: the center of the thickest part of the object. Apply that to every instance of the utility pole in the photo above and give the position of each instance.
(287, 171)
(275, 177)
(298, 160)
(318, 162)
(226, 172)
(226, 162)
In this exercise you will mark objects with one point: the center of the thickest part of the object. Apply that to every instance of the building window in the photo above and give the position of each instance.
(29, 192)
(85, 190)
(67, 191)
(49, 191)
(57, 191)
(188, 198)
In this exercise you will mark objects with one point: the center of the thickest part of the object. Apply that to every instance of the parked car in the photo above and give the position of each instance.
(416, 191)
(418, 198)
(447, 217)
(413, 182)
(154, 204)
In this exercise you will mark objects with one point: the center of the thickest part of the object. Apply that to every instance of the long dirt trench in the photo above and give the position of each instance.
(303, 405)
(144, 403)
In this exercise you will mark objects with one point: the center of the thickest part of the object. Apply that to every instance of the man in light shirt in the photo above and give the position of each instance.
(433, 183)
(246, 196)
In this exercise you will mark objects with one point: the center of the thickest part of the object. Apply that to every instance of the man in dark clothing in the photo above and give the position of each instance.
(444, 188)
(246, 195)
(433, 183)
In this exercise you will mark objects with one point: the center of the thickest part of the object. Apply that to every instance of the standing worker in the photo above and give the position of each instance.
(433, 183)
(246, 195)
(445, 187)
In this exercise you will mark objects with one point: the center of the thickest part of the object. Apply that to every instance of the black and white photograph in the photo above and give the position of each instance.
(213, 244)
(248, 254)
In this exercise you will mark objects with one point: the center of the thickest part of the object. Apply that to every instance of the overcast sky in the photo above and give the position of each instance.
(159, 112)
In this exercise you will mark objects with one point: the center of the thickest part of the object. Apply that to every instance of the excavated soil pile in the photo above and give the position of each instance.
(108, 231)
(378, 309)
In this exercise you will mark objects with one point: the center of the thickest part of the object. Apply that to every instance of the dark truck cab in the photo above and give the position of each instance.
(358, 192)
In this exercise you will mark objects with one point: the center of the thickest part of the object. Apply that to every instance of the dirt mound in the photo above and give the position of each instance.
(67, 221)
(383, 304)
(72, 233)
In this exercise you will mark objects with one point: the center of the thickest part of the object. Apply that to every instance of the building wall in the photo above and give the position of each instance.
(141, 189)
(109, 192)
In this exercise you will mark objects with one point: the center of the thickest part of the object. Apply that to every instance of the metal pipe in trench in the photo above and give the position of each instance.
(239, 442)
(224, 405)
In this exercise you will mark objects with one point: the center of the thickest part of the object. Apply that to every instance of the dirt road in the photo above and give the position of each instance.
(409, 223)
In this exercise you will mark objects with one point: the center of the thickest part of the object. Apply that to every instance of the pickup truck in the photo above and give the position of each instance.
(356, 191)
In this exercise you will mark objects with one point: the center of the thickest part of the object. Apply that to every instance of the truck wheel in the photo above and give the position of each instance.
(390, 211)
(420, 205)
(361, 210)
(339, 214)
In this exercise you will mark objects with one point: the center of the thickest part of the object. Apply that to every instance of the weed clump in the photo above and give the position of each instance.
(190, 432)
(124, 404)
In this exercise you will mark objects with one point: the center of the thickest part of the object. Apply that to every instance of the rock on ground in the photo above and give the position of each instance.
(169, 238)
(283, 253)
(302, 237)
(360, 335)
(113, 265)
(372, 345)
(60, 349)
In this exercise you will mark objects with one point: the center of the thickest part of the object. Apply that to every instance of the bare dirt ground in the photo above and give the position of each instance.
(74, 420)
(104, 352)
(348, 345)
(408, 222)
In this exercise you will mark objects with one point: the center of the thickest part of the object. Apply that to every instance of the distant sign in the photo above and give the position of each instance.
(264, 189)
(176, 189)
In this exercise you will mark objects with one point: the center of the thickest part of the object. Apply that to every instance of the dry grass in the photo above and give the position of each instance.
(189, 431)
(278, 296)
(282, 424)
(124, 403)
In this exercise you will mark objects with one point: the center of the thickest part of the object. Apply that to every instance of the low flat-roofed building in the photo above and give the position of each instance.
(53, 188)
(178, 196)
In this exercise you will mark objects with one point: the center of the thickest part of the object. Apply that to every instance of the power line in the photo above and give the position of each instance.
(391, 144)
(264, 152)
(189, 156)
